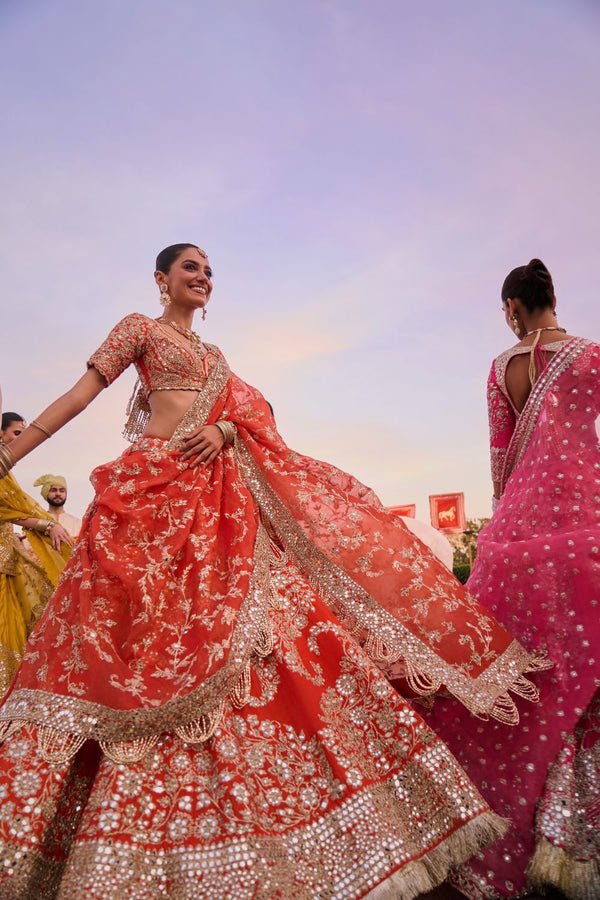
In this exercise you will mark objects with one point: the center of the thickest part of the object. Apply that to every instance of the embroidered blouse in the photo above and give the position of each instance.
(502, 413)
(163, 363)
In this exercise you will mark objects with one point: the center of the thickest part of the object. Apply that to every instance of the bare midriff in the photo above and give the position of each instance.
(168, 408)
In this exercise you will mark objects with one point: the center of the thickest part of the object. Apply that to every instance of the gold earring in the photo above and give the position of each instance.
(516, 326)
(203, 313)
(164, 295)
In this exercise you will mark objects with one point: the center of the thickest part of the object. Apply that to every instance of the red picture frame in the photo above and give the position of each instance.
(447, 512)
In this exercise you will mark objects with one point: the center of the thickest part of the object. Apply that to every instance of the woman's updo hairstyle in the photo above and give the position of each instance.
(531, 284)
(167, 257)
(8, 418)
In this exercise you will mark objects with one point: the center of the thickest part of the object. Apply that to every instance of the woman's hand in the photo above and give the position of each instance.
(203, 445)
(59, 536)
(54, 531)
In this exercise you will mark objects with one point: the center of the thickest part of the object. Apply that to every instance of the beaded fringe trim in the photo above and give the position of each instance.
(553, 867)
(425, 685)
(138, 414)
(504, 709)
(387, 654)
(379, 640)
(423, 875)
(58, 747)
(201, 729)
(127, 752)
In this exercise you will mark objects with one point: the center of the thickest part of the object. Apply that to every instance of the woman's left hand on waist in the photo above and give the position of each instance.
(203, 445)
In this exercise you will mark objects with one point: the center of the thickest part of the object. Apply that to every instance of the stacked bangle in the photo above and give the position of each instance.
(44, 526)
(227, 429)
(41, 427)
(7, 460)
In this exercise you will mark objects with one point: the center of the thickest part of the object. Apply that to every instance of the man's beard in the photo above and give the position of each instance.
(57, 503)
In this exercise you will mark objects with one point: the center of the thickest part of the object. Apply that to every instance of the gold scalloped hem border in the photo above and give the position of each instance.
(423, 875)
(540, 661)
(58, 747)
(383, 637)
(127, 752)
(201, 729)
(552, 867)
(504, 708)
(425, 685)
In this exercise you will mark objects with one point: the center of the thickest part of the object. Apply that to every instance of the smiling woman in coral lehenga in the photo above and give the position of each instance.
(538, 571)
(202, 712)
(26, 580)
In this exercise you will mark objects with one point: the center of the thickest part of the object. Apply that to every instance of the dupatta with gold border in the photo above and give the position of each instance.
(167, 595)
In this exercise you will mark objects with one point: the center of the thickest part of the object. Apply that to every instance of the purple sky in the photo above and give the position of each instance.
(362, 174)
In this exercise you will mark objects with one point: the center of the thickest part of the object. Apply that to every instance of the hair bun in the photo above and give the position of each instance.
(535, 268)
(531, 284)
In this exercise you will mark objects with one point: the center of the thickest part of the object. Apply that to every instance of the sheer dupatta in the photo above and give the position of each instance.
(545, 413)
(168, 594)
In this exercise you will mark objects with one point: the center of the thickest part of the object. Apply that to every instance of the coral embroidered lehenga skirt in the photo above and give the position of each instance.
(203, 710)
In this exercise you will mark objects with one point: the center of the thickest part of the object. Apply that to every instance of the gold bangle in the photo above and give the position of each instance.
(7, 460)
(227, 429)
(223, 429)
(44, 526)
(41, 427)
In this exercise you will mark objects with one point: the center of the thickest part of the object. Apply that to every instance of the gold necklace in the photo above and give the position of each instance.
(546, 328)
(194, 339)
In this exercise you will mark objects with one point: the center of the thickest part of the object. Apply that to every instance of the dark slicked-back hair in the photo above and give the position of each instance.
(531, 284)
(9, 417)
(167, 257)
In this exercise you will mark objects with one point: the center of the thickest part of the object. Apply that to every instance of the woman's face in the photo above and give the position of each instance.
(12, 431)
(189, 281)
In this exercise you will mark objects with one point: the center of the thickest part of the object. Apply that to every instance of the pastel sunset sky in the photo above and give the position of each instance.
(362, 173)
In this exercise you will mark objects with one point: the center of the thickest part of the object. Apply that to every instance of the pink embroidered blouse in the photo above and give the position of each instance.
(502, 413)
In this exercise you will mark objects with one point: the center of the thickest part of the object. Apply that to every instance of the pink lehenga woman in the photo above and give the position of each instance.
(202, 711)
(538, 572)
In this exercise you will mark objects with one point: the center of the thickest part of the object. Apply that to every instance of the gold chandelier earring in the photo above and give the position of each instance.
(164, 295)
(516, 326)
(203, 313)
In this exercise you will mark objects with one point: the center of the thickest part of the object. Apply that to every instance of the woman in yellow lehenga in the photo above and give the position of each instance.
(26, 581)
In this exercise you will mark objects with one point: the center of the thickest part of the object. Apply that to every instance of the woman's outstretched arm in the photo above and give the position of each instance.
(58, 414)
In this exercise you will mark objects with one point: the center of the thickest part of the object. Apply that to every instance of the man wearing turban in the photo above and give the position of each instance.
(54, 492)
